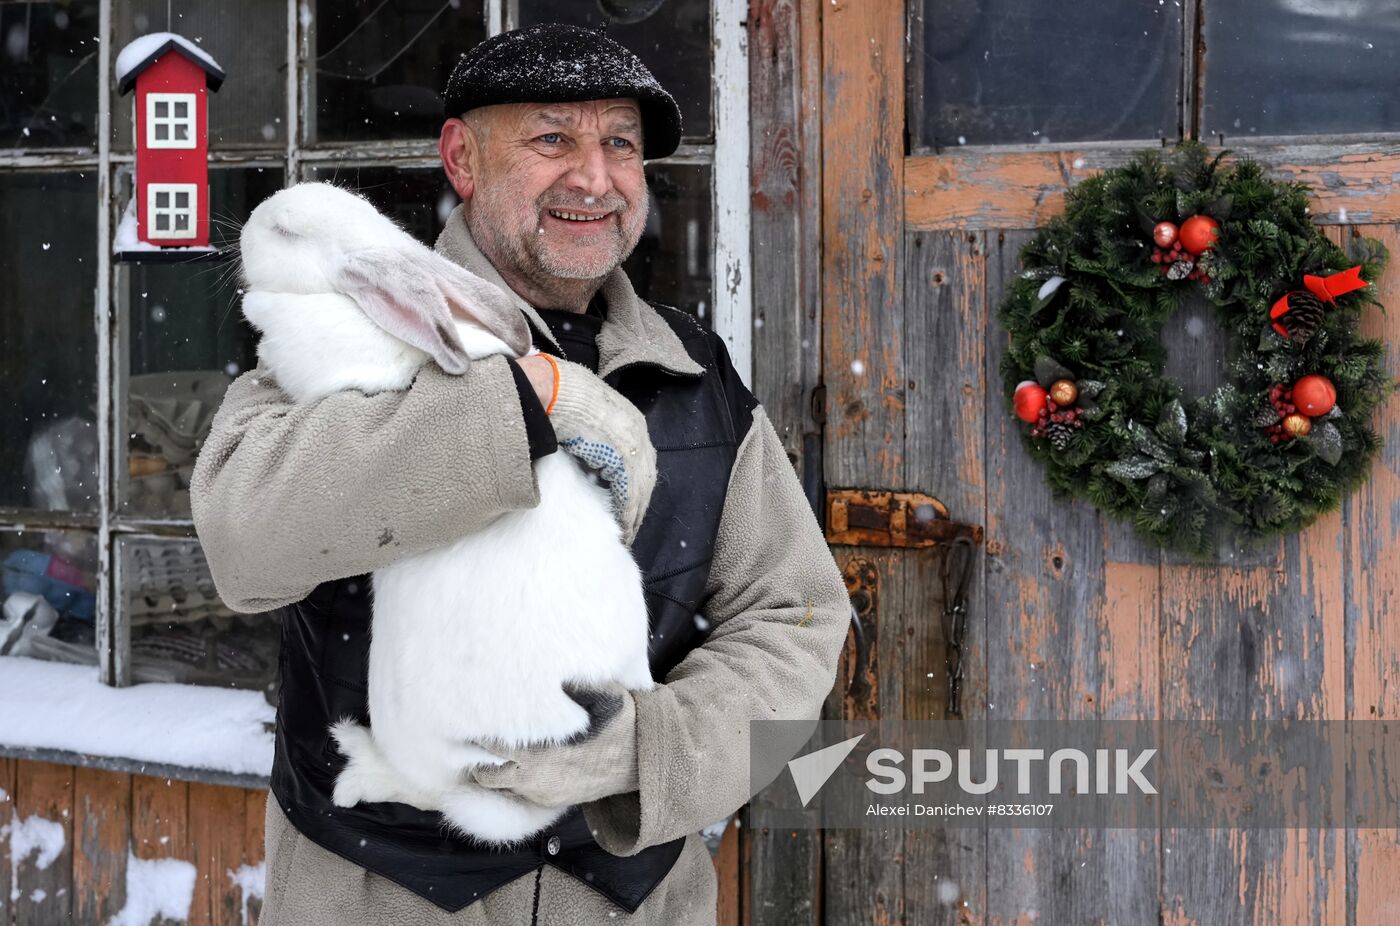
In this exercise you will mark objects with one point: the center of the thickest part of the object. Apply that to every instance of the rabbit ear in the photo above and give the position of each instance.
(482, 302)
(390, 287)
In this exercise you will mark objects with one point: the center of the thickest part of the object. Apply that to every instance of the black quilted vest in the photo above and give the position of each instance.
(696, 424)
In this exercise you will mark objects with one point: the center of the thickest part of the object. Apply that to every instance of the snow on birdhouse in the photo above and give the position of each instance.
(172, 77)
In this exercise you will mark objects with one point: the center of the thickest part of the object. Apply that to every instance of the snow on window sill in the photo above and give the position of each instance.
(62, 713)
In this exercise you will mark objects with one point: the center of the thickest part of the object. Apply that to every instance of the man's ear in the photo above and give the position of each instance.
(460, 151)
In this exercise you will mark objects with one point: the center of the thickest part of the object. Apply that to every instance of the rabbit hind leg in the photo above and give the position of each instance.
(367, 776)
(493, 817)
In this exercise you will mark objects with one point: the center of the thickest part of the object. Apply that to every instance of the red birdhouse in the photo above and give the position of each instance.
(172, 77)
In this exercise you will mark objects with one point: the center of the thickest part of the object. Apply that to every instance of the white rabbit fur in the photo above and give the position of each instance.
(476, 641)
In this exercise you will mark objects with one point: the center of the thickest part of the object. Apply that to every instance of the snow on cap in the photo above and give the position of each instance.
(555, 63)
(144, 50)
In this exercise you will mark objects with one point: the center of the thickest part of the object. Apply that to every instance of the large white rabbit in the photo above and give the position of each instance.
(506, 634)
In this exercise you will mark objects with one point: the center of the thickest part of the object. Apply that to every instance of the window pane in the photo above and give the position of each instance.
(672, 37)
(162, 109)
(182, 200)
(162, 131)
(162, 221)
(1301, 67)
(380, 67)
(48, 348)
(162, 199)
(185, 341)
(1027, 71)
(182, 131)
(48, 581)
(181, 109)
(180, 630)
(182, 221)
(248, 39)
(672, 262)
(48, 74)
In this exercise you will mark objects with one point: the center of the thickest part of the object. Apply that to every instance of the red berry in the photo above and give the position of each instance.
(1275, 438)
(1156, 257)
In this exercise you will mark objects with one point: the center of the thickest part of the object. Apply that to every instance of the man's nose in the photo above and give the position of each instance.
(589, 173)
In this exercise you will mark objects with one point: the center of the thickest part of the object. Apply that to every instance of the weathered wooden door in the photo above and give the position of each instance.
(1072, 616)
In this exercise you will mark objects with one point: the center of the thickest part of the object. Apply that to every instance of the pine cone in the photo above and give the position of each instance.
(1304, 316)
(1059, 435)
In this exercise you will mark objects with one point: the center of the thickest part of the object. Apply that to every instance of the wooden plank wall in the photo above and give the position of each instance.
(1073, 617)
(106, 819)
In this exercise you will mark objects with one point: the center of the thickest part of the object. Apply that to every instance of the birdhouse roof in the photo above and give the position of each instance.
(143, 51)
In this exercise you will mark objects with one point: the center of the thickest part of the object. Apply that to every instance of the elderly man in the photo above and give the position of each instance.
(296, 504)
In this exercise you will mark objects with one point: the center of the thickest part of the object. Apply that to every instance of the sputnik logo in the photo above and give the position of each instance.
(811, 771)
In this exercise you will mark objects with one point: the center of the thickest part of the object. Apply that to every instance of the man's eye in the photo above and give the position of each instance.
(551, 138)
(620, 143)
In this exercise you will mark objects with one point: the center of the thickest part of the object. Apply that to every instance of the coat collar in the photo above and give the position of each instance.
(633, 332)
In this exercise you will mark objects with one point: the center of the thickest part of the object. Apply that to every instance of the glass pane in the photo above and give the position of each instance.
(672, 37)
(380, 67)
(162, 131)
(48, 348)
(248, 39)
(162, 221)
(180, 630)
(48, 581)
(1027, 71)
(182, 221)
(182, 131)
(418, 199)
(48, 74)
(181, 109)
(672, 262)
(1301, 67)
(162, 109)
(186, 341)
(182, 200)
(162, 199)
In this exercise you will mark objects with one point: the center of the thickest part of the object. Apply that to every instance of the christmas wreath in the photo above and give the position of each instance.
(1262, 455)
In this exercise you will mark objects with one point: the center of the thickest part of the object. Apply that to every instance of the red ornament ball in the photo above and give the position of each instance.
(1314, 395)
(1164, 234)
(1029, 401)
(1198, 234)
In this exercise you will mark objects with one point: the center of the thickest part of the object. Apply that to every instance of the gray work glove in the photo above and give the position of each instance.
(608, 434)
(601, 764)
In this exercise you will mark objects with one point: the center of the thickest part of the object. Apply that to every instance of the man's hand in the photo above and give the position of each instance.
(602, 764)
(602, 430)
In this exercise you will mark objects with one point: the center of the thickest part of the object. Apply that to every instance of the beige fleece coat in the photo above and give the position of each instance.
(286, 497)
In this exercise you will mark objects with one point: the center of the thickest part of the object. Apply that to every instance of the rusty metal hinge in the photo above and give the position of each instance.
(872, 517)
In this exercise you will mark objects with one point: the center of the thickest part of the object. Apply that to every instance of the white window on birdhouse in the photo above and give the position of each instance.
(170, 210)
(170, 120)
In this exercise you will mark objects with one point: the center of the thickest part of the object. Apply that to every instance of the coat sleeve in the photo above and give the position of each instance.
(286, 496)
(780, 612)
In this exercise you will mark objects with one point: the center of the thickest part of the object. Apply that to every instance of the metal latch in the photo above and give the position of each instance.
(869, 517)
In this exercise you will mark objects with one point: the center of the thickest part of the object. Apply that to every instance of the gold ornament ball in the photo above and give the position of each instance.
(1064, 392)
(1164, 234)
(1296, 425)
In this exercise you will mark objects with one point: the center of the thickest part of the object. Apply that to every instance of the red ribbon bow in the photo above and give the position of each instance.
(1325, 288)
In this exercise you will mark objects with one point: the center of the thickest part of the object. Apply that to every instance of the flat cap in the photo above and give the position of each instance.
(555, 63)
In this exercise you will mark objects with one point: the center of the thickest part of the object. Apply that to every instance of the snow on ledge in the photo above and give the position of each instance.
(143, 46)
(49, 705)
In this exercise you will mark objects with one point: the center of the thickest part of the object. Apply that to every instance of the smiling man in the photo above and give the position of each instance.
(546, 133)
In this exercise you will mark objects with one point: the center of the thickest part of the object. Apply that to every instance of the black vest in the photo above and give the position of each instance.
(696, 424)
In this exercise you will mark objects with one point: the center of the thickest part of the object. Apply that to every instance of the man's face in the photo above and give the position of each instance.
(558, 189)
